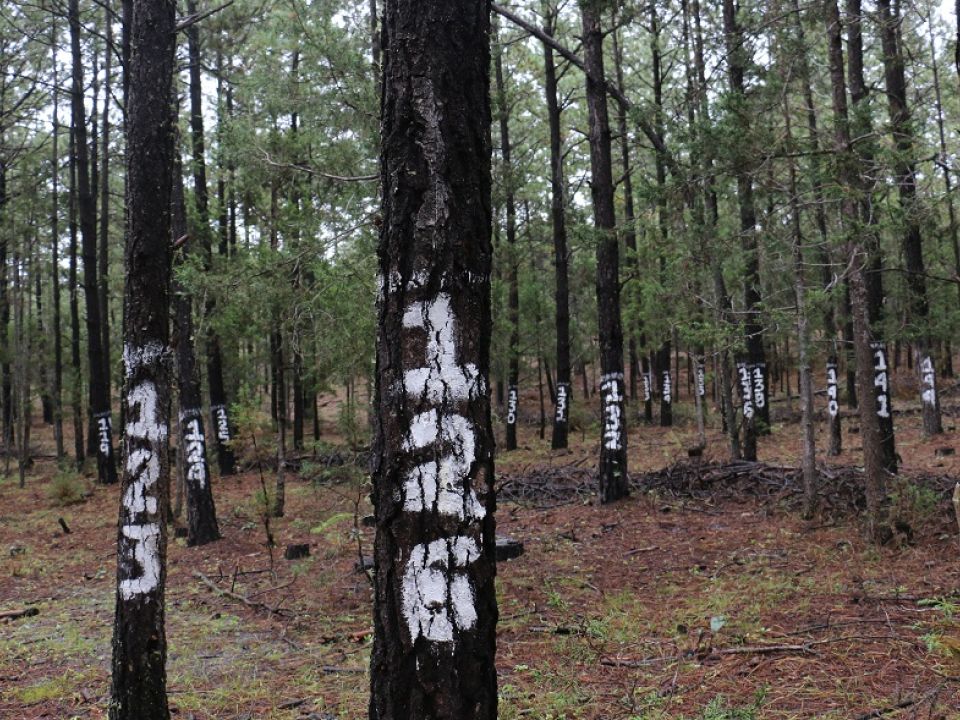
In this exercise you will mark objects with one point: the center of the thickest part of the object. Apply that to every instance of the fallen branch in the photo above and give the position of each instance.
(17, 614)
(237, 596)
(903, 704)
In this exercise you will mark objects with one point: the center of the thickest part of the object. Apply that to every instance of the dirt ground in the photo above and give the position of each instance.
(659, 606)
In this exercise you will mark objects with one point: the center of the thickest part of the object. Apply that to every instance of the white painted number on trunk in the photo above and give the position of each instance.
(139, 560)
(612, 411)
(928, 381)
(437, 596)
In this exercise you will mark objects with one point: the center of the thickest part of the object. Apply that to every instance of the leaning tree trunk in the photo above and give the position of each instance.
(904, 168)
(434, 604)
(202, 525)
(758, 421)
(513, 286)
(138, 689)
(219, 409)
(86, 204)
(613, 442)
(564, 398)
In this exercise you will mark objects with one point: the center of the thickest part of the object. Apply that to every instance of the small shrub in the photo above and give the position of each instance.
(67, 488)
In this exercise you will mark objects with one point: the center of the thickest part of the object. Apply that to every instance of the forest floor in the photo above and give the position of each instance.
(709, 604)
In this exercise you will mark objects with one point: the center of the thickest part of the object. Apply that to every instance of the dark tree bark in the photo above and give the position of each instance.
(56, 391)
(558, 218)
(103, 249)
(513, 283)
(861, 127)
(76, 390)
(202, 525)
(435, 606)
(218, 394)
(139, 643)
(613, 442)
(874, 469)
(905, 174)
(759, 421)
(99, 413)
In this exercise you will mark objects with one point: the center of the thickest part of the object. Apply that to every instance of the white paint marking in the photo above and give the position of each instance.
(146, 553)
(442, 379)
(136, 358)
(434, 605)
(612, 410)
(442, 484)
(928, 382)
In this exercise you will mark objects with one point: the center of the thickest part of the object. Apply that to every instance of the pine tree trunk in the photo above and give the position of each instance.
(904, 168)
(99, 414)
(758, 421)
(613, 443)
(861, 127)
(103, 260)
(56, 391)
(513, 287)
(76, 390)
(435, 604)
(864, 344)
(202, 525)
(218, 394)
(138, 690)
(564, 398)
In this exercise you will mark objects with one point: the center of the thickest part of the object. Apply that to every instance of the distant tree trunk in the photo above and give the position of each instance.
(874, 470)
(918, 304)
(513, 284)
(435, 604)
(630, 227)
(56, 391)
(202, 525)
(6, 381)
(809, 458)
(218, 394)
(721, 296)
(614, 483)
(759, 422)
(100, 415)
(76, 390)
(564, 398)
(942, 162)
(820, 216)
(861, 127)
(138, 690)
(46, 401)
(103, 261)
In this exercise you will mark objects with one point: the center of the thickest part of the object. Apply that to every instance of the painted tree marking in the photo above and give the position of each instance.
(928, 382)
(746, 389)
(880, 379)
(512, 402)
(223, 423)
(647, 390)
(436, 598)
(667, 387)
(833, 406)
(610, 389)
(439, 486)
(435, 601)
(701, 378)
(563, 390)
(442, 379)
(195, 449)
(759, 385)
(139, 546)
(104, 428)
